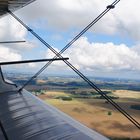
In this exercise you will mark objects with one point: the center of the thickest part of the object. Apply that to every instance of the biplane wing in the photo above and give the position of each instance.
(26, 117)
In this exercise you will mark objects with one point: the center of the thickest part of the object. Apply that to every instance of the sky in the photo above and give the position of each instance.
(111, 48)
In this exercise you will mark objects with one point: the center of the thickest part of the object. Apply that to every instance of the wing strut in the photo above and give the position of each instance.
(11, 42)
(31, 61)
(108, 8)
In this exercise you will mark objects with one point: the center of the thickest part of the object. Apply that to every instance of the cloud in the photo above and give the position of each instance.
(55, 64)
(72, 14)
(128, 18)
(11, 30)
(7, 54)
(105, 57)
(63, 14)
(32, 65)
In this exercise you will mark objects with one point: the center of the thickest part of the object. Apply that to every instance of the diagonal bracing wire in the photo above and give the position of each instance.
(129, 117)
(108, 8)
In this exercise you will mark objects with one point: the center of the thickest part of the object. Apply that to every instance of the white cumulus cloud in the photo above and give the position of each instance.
(71, 14)
(7, 54)
(10, 29)
(104, 56)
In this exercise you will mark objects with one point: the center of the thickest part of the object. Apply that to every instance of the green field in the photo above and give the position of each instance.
(76, 98)
(97, 114)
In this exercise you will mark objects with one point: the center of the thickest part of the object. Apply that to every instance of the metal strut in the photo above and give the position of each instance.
(129, 117)
(11, 42)
(31, 61)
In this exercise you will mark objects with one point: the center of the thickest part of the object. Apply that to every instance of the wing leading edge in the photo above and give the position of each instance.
(12, 5)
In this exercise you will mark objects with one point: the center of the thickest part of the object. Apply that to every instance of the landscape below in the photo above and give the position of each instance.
(74, 97)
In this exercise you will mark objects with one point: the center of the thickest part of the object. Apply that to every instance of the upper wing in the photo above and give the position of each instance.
(12, 5)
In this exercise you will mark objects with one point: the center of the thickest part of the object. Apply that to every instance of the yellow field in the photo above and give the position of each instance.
(127, 94)
(40, 81)
(94, 114)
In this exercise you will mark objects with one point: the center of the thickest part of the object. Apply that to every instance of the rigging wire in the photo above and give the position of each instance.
(108, 8)
(129, 117)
